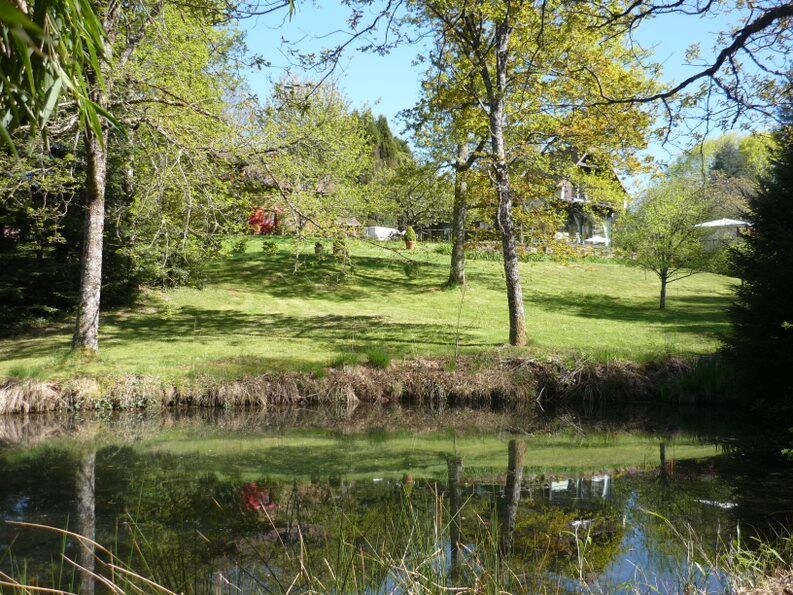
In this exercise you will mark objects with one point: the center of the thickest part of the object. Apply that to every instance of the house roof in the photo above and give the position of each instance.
(724, 223)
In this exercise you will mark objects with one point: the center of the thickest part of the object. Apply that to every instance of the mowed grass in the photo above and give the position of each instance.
(256, 314)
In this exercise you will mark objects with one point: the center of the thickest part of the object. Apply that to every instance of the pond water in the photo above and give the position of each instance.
(331, 501)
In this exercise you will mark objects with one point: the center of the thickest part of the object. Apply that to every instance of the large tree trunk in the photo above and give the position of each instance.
(86, 332)
(457, 272)
(496, 93)
(517, 312)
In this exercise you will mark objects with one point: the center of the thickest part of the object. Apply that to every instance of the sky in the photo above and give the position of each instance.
(390, 83)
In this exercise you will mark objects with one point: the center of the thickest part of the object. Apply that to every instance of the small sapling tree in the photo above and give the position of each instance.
(662, 232)
(410, 238)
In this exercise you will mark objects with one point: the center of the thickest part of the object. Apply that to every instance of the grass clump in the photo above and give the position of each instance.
(378, 357)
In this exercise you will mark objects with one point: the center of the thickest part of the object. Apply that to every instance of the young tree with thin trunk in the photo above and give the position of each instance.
(449, 130)
(663, 234)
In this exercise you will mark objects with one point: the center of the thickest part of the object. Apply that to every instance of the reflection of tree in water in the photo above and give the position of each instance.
(454, 489)
(509, 513)
(85, 485)
(193, 526)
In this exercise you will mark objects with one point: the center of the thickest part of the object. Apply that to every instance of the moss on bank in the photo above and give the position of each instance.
(436, 383)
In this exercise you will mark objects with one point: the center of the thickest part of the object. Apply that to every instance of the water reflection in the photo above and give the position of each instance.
(85, 481)
(252, 509)
(454, 490)
(515, 461)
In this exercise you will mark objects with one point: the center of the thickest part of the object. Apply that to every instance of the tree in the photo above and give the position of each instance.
(416, 193)
(527, 68)
(662, 232)
(761, 342)
(447, 124)
(730, 166)
(169, 195)
(42, 54)
(319, 159)
(128, 28)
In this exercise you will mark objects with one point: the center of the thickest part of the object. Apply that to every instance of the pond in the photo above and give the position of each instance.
(375, 500)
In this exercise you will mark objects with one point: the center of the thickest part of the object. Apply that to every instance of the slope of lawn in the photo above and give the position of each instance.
(256, 313)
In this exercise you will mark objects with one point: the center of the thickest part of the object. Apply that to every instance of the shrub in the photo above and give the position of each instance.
(269, 247)
(234, 247)
(340, 250)
(410, 234)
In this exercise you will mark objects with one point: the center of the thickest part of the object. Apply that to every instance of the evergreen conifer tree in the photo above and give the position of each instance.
(761, 344)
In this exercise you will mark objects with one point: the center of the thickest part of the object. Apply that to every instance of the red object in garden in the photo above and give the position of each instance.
(257, 499)
(263, 222)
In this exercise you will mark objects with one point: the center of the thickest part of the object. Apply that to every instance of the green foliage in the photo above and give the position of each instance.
(729, 167)
(168, 189)
(235, 246)
(378, 357)
(761, 344)
(662, 233)
(269, 248)
(410, 234)
(545, 100)
(36, 195)
(412, 192)
(388, 151)
(57, 49)
(322, 154)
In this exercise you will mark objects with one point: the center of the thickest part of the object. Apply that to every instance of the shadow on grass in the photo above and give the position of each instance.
(275, 275)
(696, 314)
(201, 324)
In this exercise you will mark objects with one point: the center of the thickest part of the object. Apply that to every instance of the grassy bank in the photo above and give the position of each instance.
(255, 314)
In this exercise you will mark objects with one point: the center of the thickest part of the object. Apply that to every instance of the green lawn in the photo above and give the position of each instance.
(256, 314)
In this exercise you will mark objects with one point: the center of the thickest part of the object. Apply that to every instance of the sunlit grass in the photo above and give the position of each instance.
(256, 314)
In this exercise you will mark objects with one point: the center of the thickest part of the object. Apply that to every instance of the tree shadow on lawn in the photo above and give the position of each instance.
(697, 314)
(202, 324)
(369, 276)
(334, 333)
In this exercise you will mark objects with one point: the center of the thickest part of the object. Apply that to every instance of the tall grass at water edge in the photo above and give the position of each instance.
(411, 553)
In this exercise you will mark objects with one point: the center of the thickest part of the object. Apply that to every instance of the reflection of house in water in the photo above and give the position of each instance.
(574, 493)
(577, 492)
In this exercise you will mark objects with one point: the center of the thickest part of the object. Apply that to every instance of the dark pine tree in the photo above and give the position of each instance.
(729, 161)
(761, 344)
